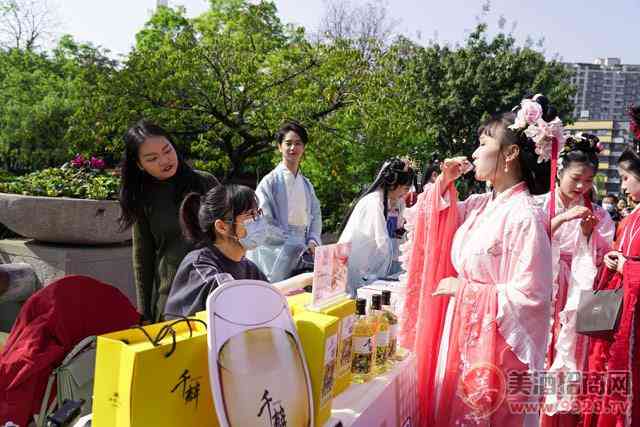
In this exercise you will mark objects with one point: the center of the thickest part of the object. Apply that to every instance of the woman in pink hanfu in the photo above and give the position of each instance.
(488, 260)
(582, 234)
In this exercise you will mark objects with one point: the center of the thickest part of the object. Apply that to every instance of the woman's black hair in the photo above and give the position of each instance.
(428, 172)
(582, 149)
(393, 173)
(535, 174)
(198, 212)
(630, 158)
(134, 185)
(630, 161)
(292, 126)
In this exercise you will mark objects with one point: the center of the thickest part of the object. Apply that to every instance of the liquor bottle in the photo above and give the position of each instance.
(382, 333)
(393, 324)
(363, 344)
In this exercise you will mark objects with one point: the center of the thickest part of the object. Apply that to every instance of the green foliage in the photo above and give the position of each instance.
(425, 102)
(82, 183)
(222, 82)
(40, 92)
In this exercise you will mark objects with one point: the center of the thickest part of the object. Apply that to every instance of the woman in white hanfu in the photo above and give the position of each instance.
(376, 224)
(582, 234)
(479, 278)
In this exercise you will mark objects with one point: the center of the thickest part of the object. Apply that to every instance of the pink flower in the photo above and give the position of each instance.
(97, 163)
(542, 134)
(78, 161)
(531, 111)
(599, 146)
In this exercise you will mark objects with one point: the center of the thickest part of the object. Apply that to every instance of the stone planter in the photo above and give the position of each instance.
(63, 220)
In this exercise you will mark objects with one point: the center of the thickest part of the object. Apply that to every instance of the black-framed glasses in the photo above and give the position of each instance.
(256, 213)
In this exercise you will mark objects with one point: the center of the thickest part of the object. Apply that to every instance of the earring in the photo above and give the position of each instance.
(506, 166)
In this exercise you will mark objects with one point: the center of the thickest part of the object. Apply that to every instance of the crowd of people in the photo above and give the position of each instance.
(191, 232)
(493, 282)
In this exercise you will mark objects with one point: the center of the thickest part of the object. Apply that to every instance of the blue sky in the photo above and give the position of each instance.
(577, 30)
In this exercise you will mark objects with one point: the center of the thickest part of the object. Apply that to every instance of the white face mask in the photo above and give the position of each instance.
(256, 233)
(610, 207)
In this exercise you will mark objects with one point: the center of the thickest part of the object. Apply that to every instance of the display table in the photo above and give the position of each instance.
(388, 400)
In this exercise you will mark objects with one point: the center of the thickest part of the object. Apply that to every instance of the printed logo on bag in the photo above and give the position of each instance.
(483, 388)
(114, 400)
(272, 410)
(189, 388)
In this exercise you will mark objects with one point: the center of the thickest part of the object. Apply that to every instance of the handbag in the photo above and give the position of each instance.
(73, 380)
(599, 310)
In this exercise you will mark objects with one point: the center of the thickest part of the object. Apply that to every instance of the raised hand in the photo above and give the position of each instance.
(453, 168)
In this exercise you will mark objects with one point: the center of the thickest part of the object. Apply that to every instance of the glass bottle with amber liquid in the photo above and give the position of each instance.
(382, 333)
(392, 318)
(364, 331)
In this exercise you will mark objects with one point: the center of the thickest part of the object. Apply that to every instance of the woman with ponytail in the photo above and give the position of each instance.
(223, 225)
(375, 223)
(154, 181)
(582, 234)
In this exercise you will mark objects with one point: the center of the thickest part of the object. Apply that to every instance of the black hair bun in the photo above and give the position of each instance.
(549, 112)
(586, 142)
(390, 170)
(393, 169)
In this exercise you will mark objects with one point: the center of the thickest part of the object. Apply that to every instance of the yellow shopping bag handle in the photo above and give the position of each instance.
(168, 329)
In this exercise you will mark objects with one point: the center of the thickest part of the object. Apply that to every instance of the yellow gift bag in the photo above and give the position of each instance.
(155, 375)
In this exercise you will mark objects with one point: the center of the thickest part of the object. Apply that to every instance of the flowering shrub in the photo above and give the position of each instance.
(80, 178)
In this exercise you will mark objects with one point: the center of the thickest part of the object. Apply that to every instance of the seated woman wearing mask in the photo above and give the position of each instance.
(223, 224)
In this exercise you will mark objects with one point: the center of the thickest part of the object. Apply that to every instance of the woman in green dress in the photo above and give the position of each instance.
(155, 179)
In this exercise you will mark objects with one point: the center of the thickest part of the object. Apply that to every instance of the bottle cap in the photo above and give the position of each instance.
(386, 297)
(361, 306)
(375, 301)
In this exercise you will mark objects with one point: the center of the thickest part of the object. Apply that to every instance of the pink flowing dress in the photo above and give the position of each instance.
(498, 322)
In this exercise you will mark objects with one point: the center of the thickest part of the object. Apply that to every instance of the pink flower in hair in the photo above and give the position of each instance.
(542, 134)
(531, 111)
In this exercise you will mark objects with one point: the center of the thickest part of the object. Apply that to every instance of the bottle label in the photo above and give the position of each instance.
(393, 331)
(362, 362)
(362, 345)
(382, 338)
